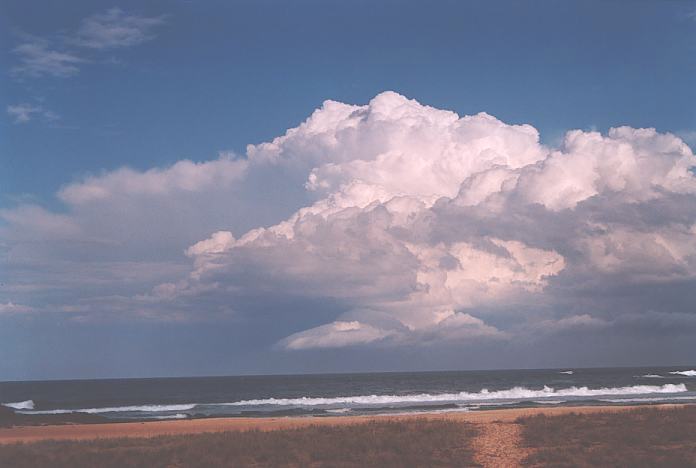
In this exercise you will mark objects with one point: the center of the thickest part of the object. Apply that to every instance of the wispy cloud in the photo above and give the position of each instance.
(115, 29)
(10, 308)
(109, 30)
(23, 113)
(38, 59)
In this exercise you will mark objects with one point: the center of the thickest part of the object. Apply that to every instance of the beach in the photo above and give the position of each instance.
(495, 437)
(445, 418)
(35, 433)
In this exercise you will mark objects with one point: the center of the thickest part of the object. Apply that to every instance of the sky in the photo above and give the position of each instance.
(250, 187)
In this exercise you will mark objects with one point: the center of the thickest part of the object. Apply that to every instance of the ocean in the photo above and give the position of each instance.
(350, 394)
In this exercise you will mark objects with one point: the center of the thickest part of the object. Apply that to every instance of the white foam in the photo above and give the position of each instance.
(653, 399)
(652, 376)
(118, 409)
(490, 403)
(483, 395)
(546, 395)
(687, 373)
(569, 372)
(172, 416)
(20, 405)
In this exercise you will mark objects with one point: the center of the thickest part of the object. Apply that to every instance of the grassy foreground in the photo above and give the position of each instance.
(646, 437)
(642, 437)
(400, 443)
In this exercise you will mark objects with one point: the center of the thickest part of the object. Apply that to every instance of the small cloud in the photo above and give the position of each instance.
(23, 113)
(337, 334)
(569, 324)
(37, 59)
(455, 327)
(10, 308)
(115, 29)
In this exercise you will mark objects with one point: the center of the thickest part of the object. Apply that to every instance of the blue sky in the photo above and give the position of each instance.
(220, 75)
(400, 236)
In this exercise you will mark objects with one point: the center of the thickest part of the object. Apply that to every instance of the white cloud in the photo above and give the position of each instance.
(183, 176)
(419, 227)
(133, 212)
(335, 335)
(103, 31)
(570, 323)
(380, 238)
(394, 141)
(634, 164)
(23, 113)
(10, 308)
(455, 327)
(38, 59)
(115, 28)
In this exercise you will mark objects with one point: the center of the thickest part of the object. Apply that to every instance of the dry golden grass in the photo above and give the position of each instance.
(646, 437)
(416, 442)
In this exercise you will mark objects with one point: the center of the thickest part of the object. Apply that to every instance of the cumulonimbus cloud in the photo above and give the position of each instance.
(421, 226)
(427, 217)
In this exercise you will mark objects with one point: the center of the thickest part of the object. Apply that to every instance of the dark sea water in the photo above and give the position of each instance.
(350, 394)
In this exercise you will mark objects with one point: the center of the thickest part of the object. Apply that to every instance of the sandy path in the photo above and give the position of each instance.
(499, 444)
(502, 428)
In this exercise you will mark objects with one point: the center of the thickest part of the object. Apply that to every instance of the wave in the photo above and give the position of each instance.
(20, 405)
(545, 395)
(513, 393)
(647, 400)
(687, 373)
(490, 403)
(652, 376)
(118, 409)
(569, 372)
(172, 416)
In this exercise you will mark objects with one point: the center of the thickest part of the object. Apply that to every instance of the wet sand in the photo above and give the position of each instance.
(195, 426)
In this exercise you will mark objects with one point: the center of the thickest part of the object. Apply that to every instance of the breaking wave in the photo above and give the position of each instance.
(345, 404)
(118, 409)
(648, 400)
(20, 405)
(462, 397)
(687, 373)
(172, 416)
(569, 372)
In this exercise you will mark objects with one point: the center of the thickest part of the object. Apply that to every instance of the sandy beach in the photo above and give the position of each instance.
(196, 426)
(656, 435)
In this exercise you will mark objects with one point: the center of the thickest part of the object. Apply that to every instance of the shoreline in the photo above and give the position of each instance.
(108, 430)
